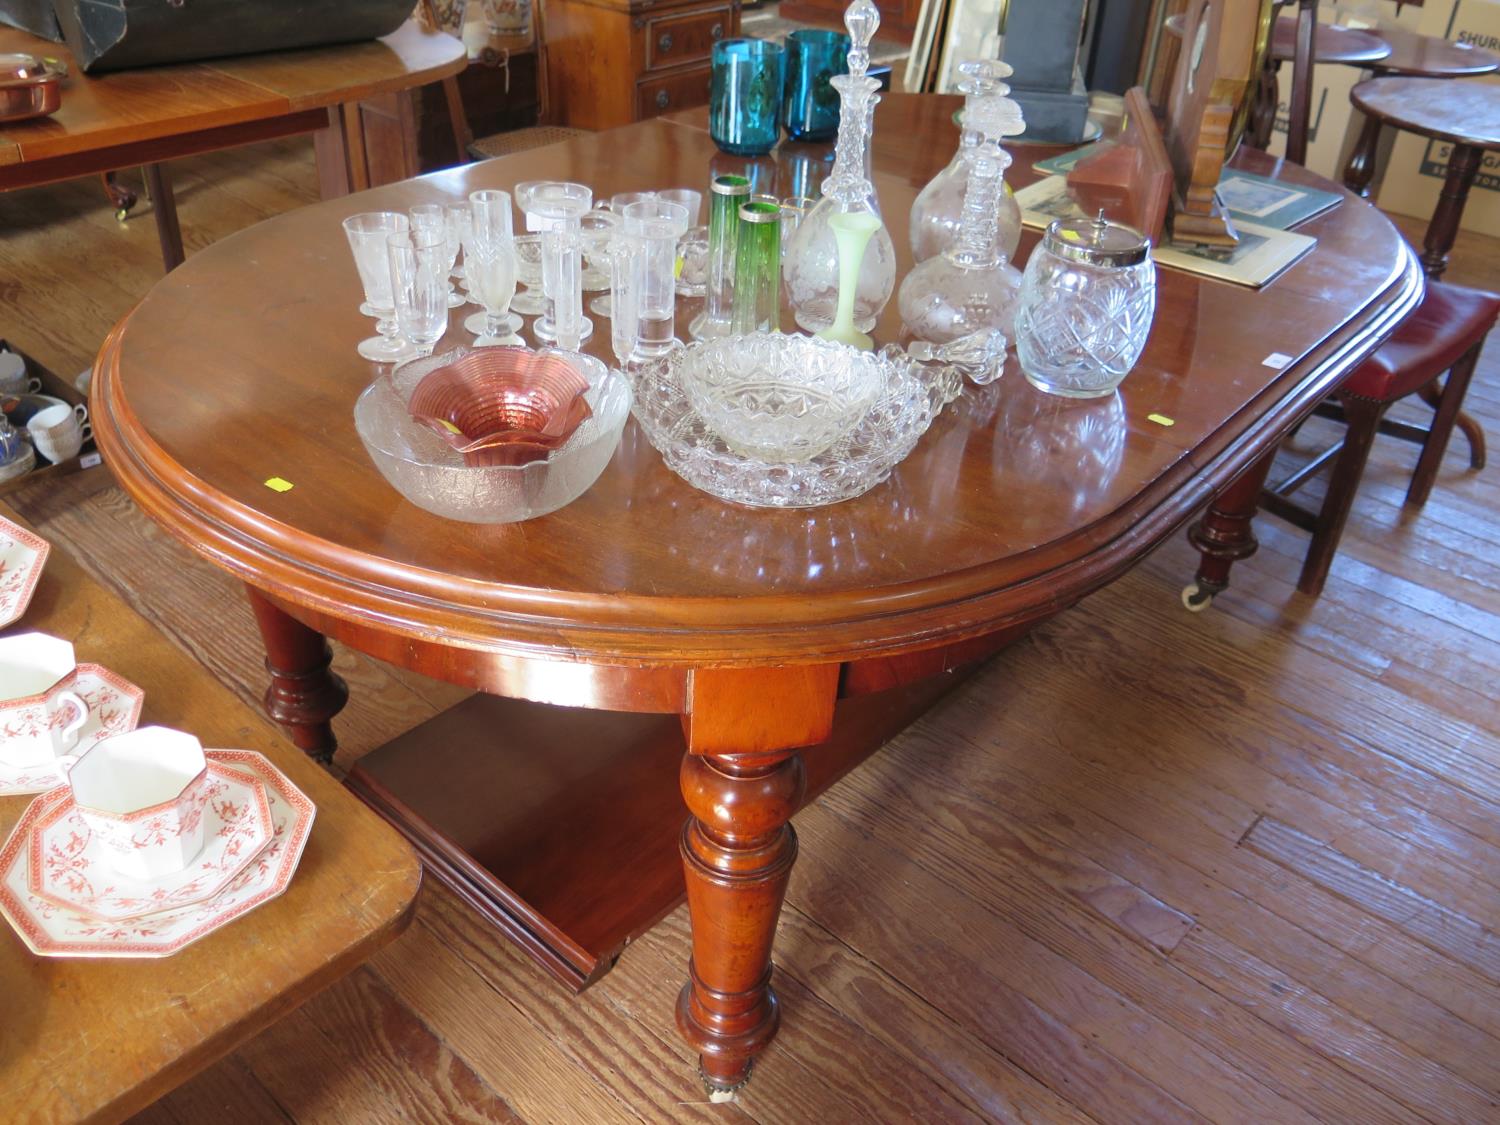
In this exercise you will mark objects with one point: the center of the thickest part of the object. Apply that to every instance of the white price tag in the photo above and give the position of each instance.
(89, 460)
(1276, 361)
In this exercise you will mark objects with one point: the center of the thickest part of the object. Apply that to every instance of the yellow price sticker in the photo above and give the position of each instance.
(1161, 419)
(276, 484)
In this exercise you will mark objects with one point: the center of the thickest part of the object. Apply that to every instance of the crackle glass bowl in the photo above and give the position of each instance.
(779, 398)
(861, 453)
(429, 472)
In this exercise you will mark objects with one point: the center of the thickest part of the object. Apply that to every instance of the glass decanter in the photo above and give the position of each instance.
(841, 266)
(935, 214)
(972, 285)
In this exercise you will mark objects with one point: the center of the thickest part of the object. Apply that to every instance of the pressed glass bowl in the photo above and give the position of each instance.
(779, 398)
(911, 395)
(503, 406)
(432, 474)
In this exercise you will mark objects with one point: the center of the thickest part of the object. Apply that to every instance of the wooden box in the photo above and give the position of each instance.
(57, 387)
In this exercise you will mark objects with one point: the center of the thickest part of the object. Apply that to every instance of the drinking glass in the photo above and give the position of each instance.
(744, 99)
(460, 226)
(793, 211)
(657, 225)
(367, 233)
(692, 258)
(692, 200)
(529, 298)
(492, 266)
(598, 228)
(434, 217)
(419, 285)
(555, 208)
(810, 110)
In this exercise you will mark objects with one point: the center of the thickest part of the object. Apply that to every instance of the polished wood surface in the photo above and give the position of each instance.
(160, 104)
(1430, 56)
(1467, 114)
(601, 584)
(100, 1039)
(1331, 44)
(1105, 950)
(607, 599)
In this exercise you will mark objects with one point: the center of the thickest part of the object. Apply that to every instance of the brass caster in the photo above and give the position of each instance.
(717, 1091)
(1195, 599)
(122, 214)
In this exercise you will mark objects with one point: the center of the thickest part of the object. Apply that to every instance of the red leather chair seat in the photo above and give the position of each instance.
(1444, 326)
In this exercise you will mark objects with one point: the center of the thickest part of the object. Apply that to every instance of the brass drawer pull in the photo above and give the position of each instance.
(664, 44)
(662, 99)
(717, 32)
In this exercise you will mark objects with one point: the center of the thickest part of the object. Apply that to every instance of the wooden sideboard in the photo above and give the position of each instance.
(611, 62)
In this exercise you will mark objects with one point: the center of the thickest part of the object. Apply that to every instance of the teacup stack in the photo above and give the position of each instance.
(152, 843)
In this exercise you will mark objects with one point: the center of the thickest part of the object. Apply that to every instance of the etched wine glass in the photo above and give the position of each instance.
(367, 233)
(492, 266)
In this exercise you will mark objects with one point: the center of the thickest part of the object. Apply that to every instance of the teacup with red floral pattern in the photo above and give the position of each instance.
(143, 794)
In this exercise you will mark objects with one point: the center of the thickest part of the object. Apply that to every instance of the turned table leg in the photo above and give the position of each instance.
(1224, 535)
(304, 694)
(1361, 167)
(1442, 231)
(742, 779)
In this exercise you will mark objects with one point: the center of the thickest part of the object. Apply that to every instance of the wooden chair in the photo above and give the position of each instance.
(1444, 335)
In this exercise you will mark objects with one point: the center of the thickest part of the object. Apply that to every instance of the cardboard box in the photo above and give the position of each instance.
(1417, 166)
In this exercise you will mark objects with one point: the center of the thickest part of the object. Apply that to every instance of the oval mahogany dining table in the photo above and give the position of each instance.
(647, 596)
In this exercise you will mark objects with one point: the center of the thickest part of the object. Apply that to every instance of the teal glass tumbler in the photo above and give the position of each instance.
(810, 111)
(757, 269)
(745, 94)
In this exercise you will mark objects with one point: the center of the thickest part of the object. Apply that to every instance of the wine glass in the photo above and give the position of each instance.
(418, 262)
(554, 208)
(491, 266)
(367, 233)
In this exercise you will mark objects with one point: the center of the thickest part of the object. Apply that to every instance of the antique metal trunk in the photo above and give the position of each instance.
(117, 34)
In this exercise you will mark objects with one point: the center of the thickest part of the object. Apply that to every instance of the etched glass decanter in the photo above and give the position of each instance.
(841, 265)
(935, 214)
(972, 285)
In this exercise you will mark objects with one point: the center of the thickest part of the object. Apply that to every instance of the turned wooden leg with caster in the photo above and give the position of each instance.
(304, 694)
(1223, 536)
(737, 852)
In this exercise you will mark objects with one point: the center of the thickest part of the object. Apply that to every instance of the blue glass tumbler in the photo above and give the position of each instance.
(811, 111)
(744, 101)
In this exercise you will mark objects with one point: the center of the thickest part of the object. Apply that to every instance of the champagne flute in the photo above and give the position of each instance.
(419, 285)
(367, 233)
(491, 266)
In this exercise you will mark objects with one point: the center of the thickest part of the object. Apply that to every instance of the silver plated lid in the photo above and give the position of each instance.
(1096, 242)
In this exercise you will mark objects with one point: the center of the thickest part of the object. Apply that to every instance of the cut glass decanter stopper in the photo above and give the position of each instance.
(841, 265)
(935, 214)
(971, 285)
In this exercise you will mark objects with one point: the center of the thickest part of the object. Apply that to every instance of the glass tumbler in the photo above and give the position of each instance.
(810, 110)
(418, 264)
(744, 99)
(657, 225)
(692, 200)
(1086, 304)
(367, 234)
(757, 269)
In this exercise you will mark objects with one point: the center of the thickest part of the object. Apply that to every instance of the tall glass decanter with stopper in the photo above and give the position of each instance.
(936, 211)
(972, 285)
(841, 265)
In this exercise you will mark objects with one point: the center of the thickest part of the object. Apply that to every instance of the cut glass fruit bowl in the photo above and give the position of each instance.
(780, 398)
(860, 454)
(429, 472)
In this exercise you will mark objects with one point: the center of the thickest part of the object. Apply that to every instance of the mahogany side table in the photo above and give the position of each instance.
(1466, 114)
(1416, 56)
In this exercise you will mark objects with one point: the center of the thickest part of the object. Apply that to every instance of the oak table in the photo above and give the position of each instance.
(99, 1040)
(756, 654)
(1418, 56)
(347, 95)
(1465, 114)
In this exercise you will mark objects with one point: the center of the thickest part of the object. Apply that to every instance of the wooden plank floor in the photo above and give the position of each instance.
(1146, 866)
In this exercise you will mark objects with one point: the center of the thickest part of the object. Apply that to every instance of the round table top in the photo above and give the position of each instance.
(1427, 56)
(1462, 112)
(1331, 44)
(240, 366)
